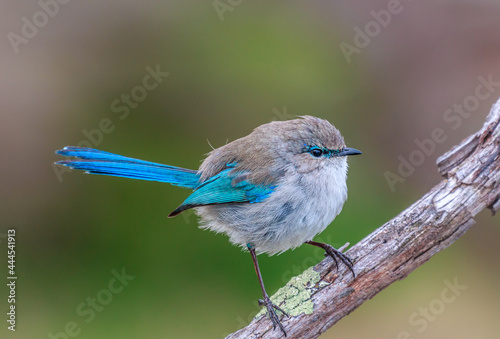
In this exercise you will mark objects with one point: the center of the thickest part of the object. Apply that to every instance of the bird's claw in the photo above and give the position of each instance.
(335, 254)
(272, 314)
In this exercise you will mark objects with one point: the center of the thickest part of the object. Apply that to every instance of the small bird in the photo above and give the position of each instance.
(269, 192)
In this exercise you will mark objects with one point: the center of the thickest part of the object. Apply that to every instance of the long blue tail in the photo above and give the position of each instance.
(99, 162)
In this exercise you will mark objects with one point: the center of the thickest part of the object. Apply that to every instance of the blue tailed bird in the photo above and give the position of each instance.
(270, 191)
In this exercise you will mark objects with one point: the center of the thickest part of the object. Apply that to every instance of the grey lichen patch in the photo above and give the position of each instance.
(295, 297)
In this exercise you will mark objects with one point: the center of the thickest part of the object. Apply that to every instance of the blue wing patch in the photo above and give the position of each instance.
(225, 187)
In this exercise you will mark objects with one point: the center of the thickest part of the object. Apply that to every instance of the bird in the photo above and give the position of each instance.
(270, 191)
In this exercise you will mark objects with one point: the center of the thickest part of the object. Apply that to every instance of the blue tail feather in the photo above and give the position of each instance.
(99, 162)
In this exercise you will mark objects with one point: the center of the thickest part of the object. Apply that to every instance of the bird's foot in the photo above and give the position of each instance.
(272, 313)
(336, 254)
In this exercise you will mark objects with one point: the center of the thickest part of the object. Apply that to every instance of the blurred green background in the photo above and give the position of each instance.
(232, 65)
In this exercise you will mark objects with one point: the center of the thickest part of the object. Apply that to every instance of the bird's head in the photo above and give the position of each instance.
(308, 143)
(304, 145)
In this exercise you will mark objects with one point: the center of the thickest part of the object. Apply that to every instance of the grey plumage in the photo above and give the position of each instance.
(310, 191)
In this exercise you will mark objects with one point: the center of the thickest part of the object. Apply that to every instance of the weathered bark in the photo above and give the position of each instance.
(321, 296)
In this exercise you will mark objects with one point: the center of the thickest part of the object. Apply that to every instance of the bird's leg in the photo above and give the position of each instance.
(335, 254)
(266, 301)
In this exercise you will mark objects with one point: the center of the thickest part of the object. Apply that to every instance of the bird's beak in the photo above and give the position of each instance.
(348, 151)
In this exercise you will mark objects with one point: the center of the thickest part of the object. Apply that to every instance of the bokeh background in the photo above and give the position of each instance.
(232, 65)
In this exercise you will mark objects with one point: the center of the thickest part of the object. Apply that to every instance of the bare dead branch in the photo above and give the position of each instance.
(321, 296)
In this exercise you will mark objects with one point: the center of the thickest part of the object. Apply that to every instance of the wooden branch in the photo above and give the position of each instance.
(321, 296)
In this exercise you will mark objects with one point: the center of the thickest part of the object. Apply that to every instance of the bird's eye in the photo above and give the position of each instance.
(316, 152)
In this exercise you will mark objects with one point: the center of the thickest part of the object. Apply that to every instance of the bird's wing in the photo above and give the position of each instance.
(225, 187)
